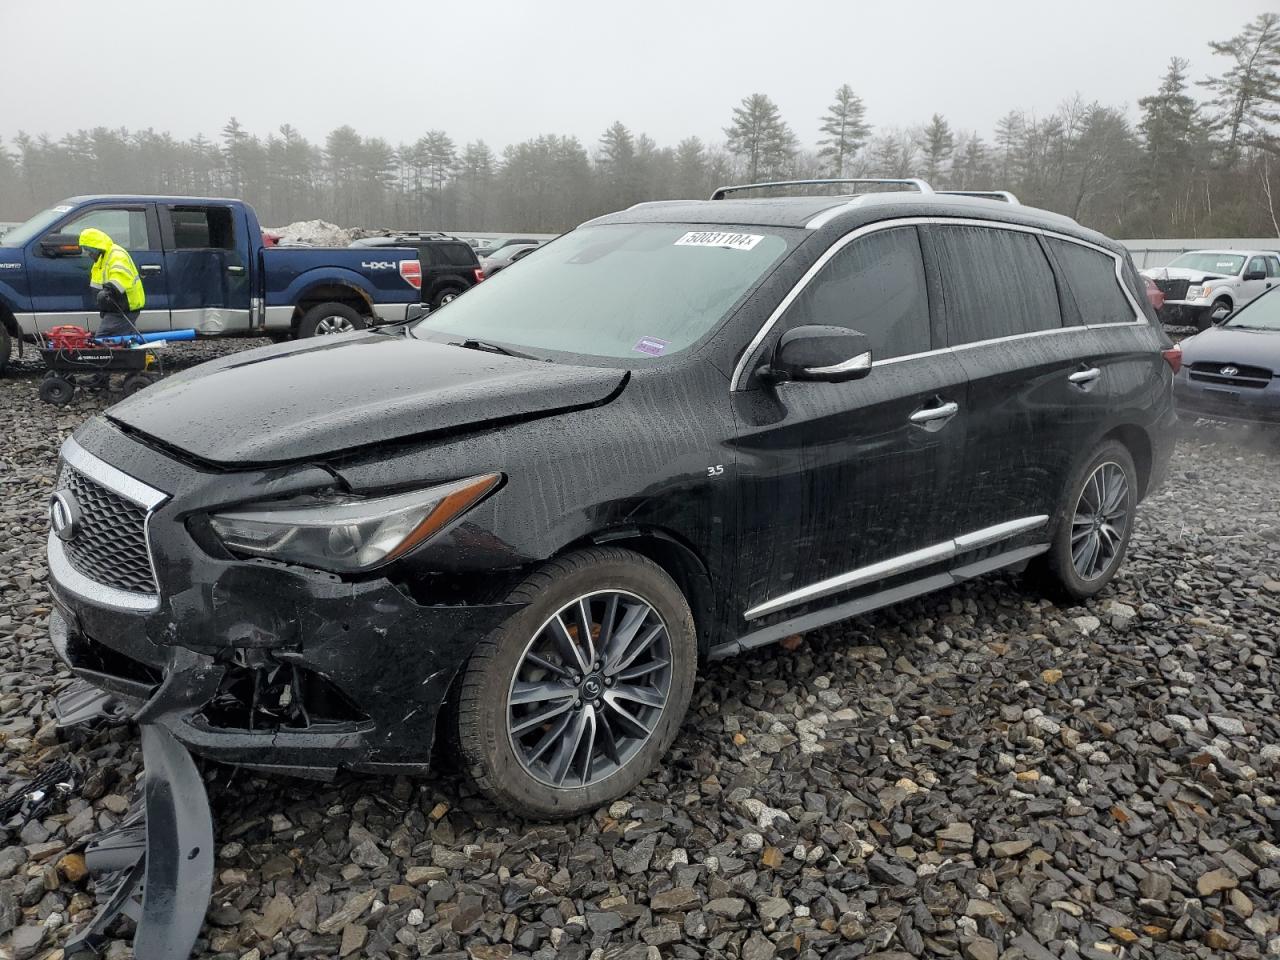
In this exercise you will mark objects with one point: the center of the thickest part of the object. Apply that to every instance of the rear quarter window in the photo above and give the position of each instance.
(456, 255)
(995, 283)
(1092, 283)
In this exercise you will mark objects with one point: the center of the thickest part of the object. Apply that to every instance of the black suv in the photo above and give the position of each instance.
(450, 266)
(679, 432)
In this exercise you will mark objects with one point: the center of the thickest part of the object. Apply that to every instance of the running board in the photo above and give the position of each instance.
(874, 601)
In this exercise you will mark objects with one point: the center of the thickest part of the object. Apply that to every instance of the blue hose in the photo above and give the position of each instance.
(151, 337)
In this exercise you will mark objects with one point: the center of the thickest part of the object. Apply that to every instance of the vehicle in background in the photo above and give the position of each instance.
(498, 261)
(449, 266)
(1203, 287)
(1232, 372)
(204, 266)
(682, 431)
(1155, 296)
(497, 245)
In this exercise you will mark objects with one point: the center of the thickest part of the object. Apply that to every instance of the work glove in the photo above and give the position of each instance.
(106, 301)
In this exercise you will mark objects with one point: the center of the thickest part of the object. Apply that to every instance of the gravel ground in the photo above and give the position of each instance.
(977, 773)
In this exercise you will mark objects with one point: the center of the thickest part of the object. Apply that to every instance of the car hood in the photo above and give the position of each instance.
(1182, 273)
(316, 397)
(1257, 348)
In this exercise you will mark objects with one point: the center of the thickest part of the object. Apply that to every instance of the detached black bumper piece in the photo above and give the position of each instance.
(157, 868)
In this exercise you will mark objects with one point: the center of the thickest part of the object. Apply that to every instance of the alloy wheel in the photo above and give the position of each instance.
(589, 689)
(1100, 521)
(334, 324)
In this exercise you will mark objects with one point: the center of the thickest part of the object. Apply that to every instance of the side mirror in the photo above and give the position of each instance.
(822, 354)
(60, 245)
(1256, 275)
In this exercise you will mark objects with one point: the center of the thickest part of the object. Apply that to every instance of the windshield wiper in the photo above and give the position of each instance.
(488, 347)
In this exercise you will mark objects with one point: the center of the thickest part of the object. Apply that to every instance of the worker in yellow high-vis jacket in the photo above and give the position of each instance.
(119, 285)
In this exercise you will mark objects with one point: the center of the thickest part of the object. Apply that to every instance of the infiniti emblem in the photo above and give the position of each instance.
(64, 515)
(1229, 371)
(591, 688)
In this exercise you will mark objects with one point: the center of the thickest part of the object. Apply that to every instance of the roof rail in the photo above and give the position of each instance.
(721, 192)
(1004, 195)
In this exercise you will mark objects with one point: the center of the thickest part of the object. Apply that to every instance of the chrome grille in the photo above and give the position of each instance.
(1231, 374)
(111, 545)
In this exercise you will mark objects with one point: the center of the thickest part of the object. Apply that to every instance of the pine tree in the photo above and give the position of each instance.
(846, 131)
(759, 136)
(1247, 96)
(937, 143)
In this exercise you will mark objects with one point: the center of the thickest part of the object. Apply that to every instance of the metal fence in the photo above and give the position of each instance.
(1156, 253)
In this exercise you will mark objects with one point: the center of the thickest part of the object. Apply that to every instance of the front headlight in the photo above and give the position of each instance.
(348, 534)
(1195, 293)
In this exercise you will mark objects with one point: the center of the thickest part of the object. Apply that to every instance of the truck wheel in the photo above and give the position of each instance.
(444, 296)
(325, 319)
(1220, 310)
(574, 699)
(6, 348)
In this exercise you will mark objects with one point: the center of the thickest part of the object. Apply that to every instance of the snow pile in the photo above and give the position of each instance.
(315, 233)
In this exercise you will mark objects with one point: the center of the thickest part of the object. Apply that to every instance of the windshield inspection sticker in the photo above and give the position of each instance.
(652, 346)
(733, 241)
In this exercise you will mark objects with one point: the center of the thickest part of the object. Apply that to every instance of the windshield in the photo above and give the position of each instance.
(1261, 314)
(1211, 262)
(37, 225)
(629, 291)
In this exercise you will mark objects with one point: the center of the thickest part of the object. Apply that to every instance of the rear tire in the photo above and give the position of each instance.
(57, 391)
(445, 296)
(1094, 525)
(515, 694)
(135, 382)
(326, 319)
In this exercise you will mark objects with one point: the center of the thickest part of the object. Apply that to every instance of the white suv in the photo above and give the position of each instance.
(1203, 287)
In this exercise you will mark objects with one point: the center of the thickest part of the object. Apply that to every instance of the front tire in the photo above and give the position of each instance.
(6, 348)
(1095, 524)
(327, 319)
(552, 726)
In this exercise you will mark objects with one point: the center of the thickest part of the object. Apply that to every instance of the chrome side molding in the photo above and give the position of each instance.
(900, 564)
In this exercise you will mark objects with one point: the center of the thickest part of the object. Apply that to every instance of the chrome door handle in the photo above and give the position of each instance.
(944, 412)
(1085, 376)
(150, 268)
(236, 270)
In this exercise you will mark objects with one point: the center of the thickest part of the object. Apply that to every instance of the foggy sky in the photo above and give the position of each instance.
(505, 71)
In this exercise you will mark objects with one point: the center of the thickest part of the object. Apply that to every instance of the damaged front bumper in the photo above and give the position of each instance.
(157, 868)
(312, 674)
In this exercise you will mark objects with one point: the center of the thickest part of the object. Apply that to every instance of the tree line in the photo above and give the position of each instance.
(1202, 159)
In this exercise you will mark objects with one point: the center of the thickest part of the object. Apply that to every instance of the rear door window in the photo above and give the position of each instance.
(1273, 267)
(875, 285)
(995, 283)
(202, 228)
(1092, 283)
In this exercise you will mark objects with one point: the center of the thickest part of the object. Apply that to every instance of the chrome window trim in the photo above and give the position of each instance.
(740, 371)
(900, 564)
(117, 481)
(68, 577)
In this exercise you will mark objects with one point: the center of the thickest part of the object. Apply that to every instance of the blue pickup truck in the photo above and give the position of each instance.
(204, 266)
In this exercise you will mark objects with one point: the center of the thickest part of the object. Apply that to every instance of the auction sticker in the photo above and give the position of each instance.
(733, 241)
(652, 346)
